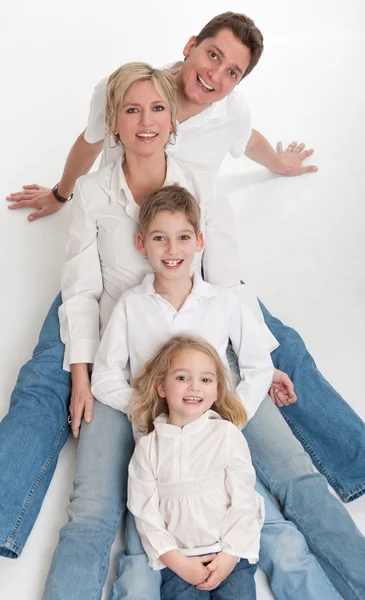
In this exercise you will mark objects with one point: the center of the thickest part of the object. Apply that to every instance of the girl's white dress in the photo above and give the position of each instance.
(192, 490)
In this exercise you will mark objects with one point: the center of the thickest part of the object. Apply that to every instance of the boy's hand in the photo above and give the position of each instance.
(35, 196)
(222, 565)
(282, 389)
(82, 400)
(193, 569)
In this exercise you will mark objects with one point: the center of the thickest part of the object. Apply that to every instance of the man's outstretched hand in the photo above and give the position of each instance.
(292, 159)
(35, 196)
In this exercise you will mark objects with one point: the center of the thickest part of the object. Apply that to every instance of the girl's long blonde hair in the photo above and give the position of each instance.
(146, 403)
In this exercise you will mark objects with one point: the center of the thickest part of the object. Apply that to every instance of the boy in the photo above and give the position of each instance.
(171, 301)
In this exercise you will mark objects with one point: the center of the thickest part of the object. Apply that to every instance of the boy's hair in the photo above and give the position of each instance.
(146, 403)
(173, 199)
(123, 78)
(242, 27)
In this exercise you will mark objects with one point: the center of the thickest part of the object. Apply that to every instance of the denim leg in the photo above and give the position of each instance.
(239, 585)
(81, 560)
(287, 472)
(32, 435)
(286, 559)
(133, 561)
(175, 588)
(327, 427)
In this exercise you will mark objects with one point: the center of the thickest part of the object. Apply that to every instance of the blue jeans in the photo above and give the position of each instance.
(293, 571)
(239, 585)
(35, 429)
(285, 469)
(326, 426)
(98, 503)
(32, 435)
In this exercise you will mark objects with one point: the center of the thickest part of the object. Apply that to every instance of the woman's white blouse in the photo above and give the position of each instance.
(102, 260)
(192, 490)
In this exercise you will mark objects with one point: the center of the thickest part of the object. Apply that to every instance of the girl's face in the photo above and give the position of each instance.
(143, 121)
(190, 386)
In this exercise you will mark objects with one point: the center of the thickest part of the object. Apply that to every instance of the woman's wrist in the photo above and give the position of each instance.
(80, 372)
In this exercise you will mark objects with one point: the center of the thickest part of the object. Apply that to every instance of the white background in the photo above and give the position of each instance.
(301, 239)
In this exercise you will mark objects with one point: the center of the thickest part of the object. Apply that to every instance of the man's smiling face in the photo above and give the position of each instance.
(214, 67)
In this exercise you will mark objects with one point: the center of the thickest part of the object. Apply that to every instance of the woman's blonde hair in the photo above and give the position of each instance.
(147, 404)
(123, 78)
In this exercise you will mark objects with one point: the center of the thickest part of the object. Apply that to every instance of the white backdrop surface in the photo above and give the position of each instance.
(301, 239)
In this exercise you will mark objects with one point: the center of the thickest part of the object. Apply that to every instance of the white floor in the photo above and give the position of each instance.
(302, 239)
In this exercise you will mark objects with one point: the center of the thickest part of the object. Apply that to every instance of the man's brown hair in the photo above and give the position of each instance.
(242, 27)
(170, 198)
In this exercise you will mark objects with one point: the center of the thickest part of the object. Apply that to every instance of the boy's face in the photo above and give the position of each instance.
(212, 69)
(170, 244)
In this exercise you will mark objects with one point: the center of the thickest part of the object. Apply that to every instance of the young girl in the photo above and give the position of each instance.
(191, 481)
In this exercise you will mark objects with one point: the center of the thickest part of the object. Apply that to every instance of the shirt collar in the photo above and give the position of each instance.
(200, 289)
(216, 111)
(121, 193)
(163, 428)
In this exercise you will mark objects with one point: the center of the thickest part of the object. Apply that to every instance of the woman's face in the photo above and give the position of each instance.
(143, 121)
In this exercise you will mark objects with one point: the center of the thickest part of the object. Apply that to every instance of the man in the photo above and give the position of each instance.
(209, 73)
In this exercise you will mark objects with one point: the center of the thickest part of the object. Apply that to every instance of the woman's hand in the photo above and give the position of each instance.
(220, 567)
(38, 197)
(82, 400)
(282, 389)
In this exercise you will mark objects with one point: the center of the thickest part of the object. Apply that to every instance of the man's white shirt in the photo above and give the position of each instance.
(142, 321)
(204, 139)
(102, 260)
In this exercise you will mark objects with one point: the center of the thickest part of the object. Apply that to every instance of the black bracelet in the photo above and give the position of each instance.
(58, 197)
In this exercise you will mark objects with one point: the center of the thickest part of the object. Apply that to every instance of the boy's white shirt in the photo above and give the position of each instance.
(192, 490)
(142, 321)
(204, 139)
(102, 261)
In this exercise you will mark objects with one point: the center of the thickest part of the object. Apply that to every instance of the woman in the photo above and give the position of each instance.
(102, 263)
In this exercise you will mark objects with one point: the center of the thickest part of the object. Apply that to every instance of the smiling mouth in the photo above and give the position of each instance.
(192, 399)
(171, 264)
(204, 84)
(146, 136)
